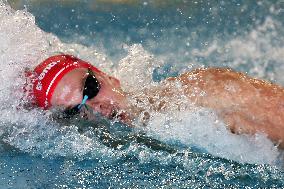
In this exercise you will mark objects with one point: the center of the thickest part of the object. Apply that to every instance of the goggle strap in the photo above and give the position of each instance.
(83, 101)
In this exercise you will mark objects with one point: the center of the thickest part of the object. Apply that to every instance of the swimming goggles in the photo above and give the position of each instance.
(91, 89)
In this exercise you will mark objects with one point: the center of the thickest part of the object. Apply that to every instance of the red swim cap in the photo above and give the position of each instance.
(48, 74)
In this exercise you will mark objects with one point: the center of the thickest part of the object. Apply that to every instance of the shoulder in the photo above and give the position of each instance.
(207, 75)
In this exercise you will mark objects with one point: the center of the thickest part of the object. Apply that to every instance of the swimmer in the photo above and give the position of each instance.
(245, 104)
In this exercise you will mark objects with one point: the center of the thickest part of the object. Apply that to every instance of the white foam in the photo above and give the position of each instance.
(136, 69)
(202, 129)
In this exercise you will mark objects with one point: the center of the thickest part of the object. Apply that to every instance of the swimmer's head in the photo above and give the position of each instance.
(61, 81)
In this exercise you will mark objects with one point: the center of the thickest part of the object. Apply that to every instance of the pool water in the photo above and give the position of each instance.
(146, 41)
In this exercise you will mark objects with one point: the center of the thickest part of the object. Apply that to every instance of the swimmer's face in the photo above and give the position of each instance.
(69, 92)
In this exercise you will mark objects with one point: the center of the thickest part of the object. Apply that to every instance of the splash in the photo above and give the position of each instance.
(136, 69)
(23, 45)
(200, 128)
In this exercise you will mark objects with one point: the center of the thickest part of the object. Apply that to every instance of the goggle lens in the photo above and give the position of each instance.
(92, 85)
(91, 89)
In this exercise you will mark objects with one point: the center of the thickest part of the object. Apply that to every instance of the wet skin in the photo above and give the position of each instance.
(69, 92)
(245, 104)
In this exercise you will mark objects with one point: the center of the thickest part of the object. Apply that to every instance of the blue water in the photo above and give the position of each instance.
(168, 37)
(170, 31)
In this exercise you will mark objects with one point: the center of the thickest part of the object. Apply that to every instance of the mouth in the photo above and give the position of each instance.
(117, 114)
(111, 112)
(114, 114)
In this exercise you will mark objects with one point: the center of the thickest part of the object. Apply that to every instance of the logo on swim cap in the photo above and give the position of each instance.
(45, 71)
(39, 86)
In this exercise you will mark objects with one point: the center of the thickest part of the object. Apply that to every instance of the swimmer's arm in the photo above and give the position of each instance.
(247, 105)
